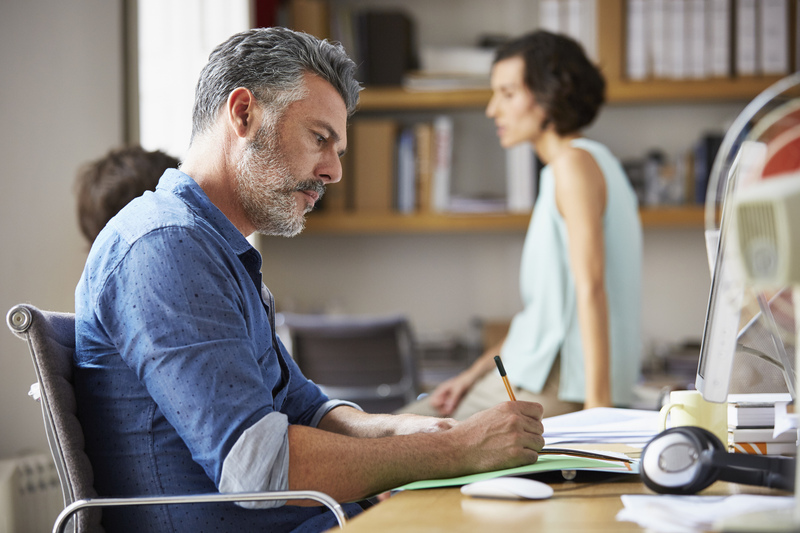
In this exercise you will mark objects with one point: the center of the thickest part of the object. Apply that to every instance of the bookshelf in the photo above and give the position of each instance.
(320, 223)
(620, 92)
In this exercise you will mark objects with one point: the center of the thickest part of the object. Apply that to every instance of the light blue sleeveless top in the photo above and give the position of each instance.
(548, 324)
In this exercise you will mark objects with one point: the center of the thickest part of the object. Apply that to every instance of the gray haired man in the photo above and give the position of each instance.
(183, 386)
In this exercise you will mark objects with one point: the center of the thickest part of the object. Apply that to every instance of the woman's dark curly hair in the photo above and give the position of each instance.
(562, 79)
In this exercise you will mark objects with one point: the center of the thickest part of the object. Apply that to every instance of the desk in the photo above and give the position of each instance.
(575, 506)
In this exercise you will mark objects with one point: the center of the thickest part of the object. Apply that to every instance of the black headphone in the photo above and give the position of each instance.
(687, 459)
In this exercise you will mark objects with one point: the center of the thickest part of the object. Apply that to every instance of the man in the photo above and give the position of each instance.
(182, 385)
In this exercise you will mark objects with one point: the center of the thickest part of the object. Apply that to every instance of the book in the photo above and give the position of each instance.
(742, 435)
(753, 410)
(636, 50)
(373, 166)
(719, 38)
(423, 132)
(387, 48)
(443, 162)
(773, 37)
(746, 38)
(657, 26)
(520, 178)
(676, 39)
(406, 199)
(764, 448)
(696, 57)
(751, 416)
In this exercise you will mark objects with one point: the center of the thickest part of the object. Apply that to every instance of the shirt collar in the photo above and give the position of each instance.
(184, 187)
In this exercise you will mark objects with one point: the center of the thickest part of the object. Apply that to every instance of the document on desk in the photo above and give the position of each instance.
(692, 514)
(549, 461)
(602, 425)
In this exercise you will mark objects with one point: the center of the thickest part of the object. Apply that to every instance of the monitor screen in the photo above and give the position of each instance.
(763, 141)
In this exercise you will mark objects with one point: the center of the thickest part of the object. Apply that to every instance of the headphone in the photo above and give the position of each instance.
(687, 459)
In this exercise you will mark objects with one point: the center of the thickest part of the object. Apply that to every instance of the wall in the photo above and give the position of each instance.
(61, 105)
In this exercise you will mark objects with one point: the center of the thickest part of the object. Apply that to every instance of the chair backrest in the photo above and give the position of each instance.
(370, 361)
(51, 342)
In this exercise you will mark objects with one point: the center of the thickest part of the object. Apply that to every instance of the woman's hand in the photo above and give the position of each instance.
(446, 397)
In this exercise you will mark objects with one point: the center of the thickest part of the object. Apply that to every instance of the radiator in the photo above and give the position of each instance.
(30, 494)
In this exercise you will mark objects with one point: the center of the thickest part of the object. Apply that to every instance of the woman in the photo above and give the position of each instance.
(576, 343)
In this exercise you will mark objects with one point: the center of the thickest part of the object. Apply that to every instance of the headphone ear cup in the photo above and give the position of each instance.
(674, 462)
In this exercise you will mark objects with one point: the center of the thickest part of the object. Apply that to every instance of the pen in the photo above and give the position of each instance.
(502, 370)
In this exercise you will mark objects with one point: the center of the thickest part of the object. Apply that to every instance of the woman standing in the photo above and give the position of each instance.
(576, 343)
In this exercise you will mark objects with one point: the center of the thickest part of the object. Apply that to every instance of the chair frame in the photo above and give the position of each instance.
(20, 319)
(406, 388)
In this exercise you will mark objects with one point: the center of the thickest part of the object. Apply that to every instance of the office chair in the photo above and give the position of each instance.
(366, 360)
(51, 341)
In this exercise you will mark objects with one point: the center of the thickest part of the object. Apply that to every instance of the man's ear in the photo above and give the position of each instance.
(241, 111)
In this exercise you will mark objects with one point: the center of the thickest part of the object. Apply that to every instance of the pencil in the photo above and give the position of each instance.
(502, 370)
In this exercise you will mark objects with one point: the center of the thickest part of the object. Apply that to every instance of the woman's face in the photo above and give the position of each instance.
(513, 107)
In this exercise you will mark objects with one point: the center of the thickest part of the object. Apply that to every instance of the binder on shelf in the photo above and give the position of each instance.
(520, 178)
(406, 172)
(657, 23)
(550, 16)
(423, 133)
(696, 56)
(773, 32)
(705, 150)
(373, 146)
(387, 48)
(676, 37)
(746, 38)
(443, 162)
(720, 23)
(636, 46)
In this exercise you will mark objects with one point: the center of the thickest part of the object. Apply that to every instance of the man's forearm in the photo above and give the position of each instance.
(351, 468)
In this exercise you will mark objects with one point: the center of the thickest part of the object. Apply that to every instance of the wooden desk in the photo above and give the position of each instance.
(575, 506)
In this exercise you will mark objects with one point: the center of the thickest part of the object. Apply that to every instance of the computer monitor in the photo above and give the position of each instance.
(763, 141)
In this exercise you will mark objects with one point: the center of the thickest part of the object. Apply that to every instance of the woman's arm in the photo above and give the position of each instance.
(446, 397)
(581, 199)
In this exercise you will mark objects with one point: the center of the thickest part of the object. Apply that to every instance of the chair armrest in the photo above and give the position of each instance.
(320, 497)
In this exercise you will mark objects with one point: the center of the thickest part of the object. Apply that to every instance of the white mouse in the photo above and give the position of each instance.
(509, 488)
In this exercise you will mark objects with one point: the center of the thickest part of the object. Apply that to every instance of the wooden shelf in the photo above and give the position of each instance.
(395, 223)
(654, 91)
(618, 92)
(397, 98)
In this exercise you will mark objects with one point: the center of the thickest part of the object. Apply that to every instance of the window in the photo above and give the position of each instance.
(175, 38)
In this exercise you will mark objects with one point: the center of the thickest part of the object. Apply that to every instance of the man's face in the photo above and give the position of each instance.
(285, 167)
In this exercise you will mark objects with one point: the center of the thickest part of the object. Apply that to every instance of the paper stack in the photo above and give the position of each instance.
(602, 425)
(752, 425)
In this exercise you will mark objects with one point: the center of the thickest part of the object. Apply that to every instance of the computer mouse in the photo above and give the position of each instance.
(509, 488)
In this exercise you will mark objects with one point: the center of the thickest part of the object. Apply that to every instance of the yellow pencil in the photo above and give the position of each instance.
(502, 370)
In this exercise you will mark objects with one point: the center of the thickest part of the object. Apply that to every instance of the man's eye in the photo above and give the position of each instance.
(320, 138)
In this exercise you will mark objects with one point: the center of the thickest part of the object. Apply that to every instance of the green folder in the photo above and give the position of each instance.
(546, 463)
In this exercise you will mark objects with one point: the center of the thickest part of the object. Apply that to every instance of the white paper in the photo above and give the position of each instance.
(603, 425)
(687, 514)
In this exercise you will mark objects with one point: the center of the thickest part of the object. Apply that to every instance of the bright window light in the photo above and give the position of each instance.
(175, 38)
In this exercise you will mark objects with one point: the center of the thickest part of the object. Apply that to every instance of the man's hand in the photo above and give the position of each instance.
(505, 436)
(406, 424)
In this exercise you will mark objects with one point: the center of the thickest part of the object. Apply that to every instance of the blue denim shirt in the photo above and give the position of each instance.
(178, 365)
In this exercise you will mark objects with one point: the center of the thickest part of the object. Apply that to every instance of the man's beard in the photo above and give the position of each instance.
(266, 185)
